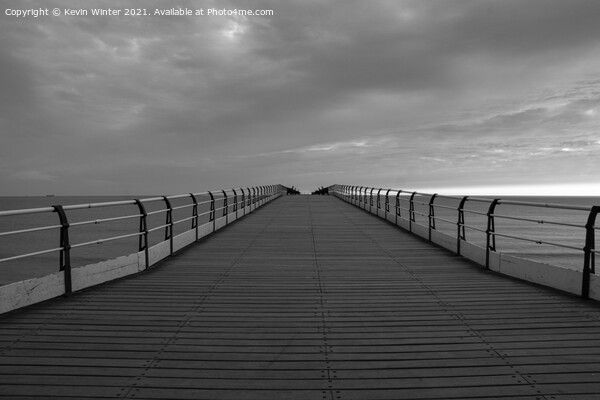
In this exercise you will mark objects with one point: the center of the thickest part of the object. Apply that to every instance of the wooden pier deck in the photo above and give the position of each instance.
(306, 298)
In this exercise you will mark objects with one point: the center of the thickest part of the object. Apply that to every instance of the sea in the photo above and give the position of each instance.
(544, 224)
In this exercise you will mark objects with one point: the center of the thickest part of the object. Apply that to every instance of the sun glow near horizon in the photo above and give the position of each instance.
(557, 189)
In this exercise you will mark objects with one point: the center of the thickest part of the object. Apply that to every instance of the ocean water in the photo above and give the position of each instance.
(40, 265)
(542, 226)
(12, 271)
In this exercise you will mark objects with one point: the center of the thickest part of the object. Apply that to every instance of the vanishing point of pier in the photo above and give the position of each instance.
(306, 298)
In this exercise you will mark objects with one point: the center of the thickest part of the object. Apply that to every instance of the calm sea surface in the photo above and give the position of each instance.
(40, 265)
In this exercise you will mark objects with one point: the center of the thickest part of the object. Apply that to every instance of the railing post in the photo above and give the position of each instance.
(254, 197)
(169, 223)
(249, 200)
(411, 211)
(235, 203)
(387, 203)
(398, 206)
(225, 207)
(363, 197)
(211, 217)
(490, 233)
(360, 195)
(371, 199)
(589, 256)
(460, 224)
(143, 239)
(195, 214)
(378, 201)
(243, 202)
(431, 215)
(65, 252)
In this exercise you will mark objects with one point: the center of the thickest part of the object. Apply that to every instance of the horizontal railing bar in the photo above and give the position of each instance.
(152, 199)
(545, 205)
(99, 205)
(537, 241)
(110, 239)
(480, 199)
(539, 221)
(162, 210)
(158, 227)
(445, 220)
(200, 194)
(473, 228)
(445, 207)
(26, 211)
(183, 220)
(421, 203)
(178, 196)
(37, 253)
(42, 228)
(445, 196)
(474, 212)
(98, 221)
(183, 206)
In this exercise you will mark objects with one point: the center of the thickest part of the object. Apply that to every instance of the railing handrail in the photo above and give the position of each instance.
(363, 195)
(217, 196)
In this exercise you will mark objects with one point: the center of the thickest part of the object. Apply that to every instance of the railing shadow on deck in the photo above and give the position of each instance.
(423, 213)
(165, 225)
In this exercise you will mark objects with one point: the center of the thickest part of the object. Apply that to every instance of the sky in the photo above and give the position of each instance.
(448, 96)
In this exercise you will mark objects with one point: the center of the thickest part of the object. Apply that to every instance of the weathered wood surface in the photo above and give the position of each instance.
(307, 298)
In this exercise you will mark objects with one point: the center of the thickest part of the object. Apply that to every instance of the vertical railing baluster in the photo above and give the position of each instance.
(143, 238)
(212, 215)
(589, 255)
(243, 201)
(194, 214)
(235, 203)
(169, 223)
(490, 233)
(398, 213)
(225, 207)
(387, 203)
(460, 224)
(411, 211)
(431, 214)
(65, 252)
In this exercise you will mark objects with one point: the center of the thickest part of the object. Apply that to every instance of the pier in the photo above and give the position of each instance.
(308, 297)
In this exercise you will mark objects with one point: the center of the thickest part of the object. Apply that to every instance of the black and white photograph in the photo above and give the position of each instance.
(299, 199)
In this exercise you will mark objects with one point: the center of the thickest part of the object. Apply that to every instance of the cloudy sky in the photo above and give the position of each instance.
(444, 95)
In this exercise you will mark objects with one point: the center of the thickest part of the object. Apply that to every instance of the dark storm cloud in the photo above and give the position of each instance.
(320, 90)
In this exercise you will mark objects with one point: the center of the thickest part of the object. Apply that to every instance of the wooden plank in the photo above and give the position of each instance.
(306, 298)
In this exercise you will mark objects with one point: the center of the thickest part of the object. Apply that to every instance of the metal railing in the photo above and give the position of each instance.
(412, 206)
(167, 214)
